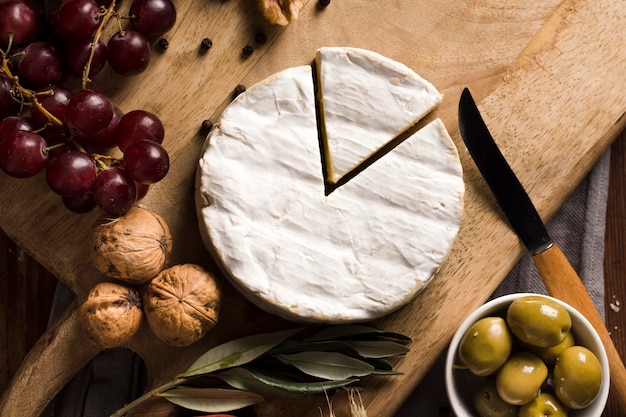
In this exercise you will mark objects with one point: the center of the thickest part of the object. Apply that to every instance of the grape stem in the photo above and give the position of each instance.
(99, 160)
(10, 36)
(106, 15)
(52, 147)
(25, 92)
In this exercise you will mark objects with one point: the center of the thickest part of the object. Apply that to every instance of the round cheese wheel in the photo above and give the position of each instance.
(354, 255)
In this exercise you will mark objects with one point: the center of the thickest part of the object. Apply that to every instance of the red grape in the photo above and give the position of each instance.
(106, 3)
(146, 161)
(14, 124)
(107, 137)
(8, 105)
(40, 64)
(75, 19)
(54, 99)
(77, 55)
(70, 172)
(19, 18)
(137, 125)
(114, 190)
(81, 204)
(54, 135)
(88, 112)
(142, 190)
(128, 52)
(152, 17)
(90, 122)
(23, 154)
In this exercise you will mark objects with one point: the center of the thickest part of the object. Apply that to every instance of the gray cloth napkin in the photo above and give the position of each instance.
(115, 376)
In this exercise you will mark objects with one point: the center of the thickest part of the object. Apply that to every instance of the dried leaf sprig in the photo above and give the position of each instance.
(273, 365)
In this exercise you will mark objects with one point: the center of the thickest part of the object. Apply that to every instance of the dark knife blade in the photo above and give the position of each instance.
(557, 274)
(504, 184)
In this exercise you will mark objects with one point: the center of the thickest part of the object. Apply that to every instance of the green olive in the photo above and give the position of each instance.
(488, 403)
(538, 321)
(577, 377)
(545, 405)
(486, 345)
(520, 379)
(550, 353)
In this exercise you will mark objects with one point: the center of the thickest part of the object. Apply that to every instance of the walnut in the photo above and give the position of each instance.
(133, 247)
(280, 12)
(182, 304)
(111, 314)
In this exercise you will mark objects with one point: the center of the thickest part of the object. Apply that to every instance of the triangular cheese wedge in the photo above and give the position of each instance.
(365, 100)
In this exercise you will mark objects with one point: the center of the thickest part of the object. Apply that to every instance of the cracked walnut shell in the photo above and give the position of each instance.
(182, 304)
(111, 314)
(280, 12)
(133, 247)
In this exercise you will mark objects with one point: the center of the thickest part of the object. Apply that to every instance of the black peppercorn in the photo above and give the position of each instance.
(206, 44)
(163, 44)
(323, 3)
(207, 125)
(240, 88)
(247, 50)
(260, 38)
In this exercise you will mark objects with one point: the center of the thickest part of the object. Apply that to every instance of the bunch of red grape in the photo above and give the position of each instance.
(72, 135)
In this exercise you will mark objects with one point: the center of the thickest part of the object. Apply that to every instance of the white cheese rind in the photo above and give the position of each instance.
(356, 255)
(367, 100)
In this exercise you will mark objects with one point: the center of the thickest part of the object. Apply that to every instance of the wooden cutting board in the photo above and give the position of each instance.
(550, 79)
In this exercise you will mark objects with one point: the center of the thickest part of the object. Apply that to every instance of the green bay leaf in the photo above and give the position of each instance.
(321, 346)
(327, 365)
(211, 400)
(241, 378)
(381, 364)
(357, 332)
(395, 337)
(378, 348)
(298, 387)
(236, 352)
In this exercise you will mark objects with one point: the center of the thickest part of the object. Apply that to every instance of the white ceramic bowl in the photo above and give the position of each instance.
(461, 384)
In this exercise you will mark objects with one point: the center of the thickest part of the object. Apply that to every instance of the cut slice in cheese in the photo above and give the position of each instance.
(355, 255)
(365, 101)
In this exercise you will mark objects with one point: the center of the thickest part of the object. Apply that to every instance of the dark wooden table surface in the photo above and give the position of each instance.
(27, 289)
(615, 257)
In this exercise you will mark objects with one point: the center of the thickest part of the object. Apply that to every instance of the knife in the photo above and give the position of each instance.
(558, 275)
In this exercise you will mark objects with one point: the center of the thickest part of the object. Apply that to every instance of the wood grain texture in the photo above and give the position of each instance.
(615, 260)
(26, 291)
(549, 73)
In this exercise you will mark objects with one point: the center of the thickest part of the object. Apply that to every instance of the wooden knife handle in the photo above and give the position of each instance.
(562, 282)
